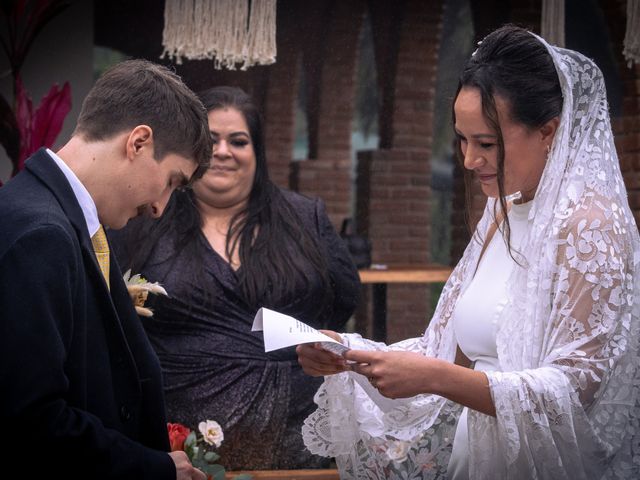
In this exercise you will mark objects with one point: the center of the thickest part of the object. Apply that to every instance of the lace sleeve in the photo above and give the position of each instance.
(413, 441)
(409, 442)
(563, 407)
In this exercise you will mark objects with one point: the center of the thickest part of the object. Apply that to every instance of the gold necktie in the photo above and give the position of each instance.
(101, 248)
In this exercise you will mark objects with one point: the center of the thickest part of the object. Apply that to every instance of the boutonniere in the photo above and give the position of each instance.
(139, 289)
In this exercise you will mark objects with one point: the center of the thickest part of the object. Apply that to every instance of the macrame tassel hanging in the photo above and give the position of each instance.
(232, 32)
(262, 33)
(631, 50)
(552, 22)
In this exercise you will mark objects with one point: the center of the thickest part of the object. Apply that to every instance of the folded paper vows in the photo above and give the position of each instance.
(281, 331)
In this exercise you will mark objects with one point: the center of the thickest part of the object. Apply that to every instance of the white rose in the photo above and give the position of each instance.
(211, 432)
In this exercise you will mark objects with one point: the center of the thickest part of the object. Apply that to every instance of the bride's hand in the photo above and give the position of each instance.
(396, 374)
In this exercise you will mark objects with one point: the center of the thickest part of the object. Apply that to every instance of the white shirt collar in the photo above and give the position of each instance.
(87, 204)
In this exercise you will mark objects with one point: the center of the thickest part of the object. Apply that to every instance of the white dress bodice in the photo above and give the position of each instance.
(476, 316)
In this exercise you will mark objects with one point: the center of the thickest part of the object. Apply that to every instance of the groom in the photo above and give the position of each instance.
(81, 388)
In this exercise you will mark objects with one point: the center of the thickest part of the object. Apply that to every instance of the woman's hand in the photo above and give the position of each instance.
(316, 361)
(395, 374)
(406, 374)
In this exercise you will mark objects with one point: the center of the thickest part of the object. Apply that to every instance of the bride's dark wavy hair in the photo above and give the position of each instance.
(511, 63)
(275, 249)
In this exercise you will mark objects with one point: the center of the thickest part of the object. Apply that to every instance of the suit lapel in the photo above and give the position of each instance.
(45, 169)
(42, 166)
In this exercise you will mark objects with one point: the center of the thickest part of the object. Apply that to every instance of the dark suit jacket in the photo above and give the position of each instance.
(81, 393)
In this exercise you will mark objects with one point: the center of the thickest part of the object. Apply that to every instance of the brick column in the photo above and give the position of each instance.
(281, 96)
(626, 126)
(396, 219)
(393, 206)
(327, 173)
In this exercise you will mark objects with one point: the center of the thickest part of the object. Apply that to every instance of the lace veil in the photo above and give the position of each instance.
(567, 339)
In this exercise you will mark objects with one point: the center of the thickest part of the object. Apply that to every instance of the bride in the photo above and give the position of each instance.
(530, 366)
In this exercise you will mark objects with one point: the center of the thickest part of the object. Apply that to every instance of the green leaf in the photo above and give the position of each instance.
(190, 440)
(200, 453)
(211, 457)
(216, 471)
(190, 447)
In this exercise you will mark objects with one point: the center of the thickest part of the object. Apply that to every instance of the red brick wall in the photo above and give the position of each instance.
(414, 87)
(397, 215)
(329, 179)
(328, 173)
(281, 97)
(626, 127)
(396, 219)
(393, 206)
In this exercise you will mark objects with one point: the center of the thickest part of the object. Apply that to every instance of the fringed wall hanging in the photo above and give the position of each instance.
(231, 32)
(631, 50)
(552, 22)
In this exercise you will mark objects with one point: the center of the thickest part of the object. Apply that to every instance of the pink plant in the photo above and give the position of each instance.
(22, 131)
(40, 128)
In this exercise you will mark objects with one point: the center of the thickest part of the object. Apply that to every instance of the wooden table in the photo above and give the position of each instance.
(380, 277)
(329, 474)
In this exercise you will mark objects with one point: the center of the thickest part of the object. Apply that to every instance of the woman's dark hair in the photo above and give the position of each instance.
(275, 250)
(513, 64)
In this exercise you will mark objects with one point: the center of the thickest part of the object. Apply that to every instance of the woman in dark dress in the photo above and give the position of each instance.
(233, 243)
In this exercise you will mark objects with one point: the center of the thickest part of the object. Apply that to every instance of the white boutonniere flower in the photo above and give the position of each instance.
(139, 289)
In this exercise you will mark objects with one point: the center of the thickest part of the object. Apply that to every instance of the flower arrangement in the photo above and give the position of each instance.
(199, 448)
(139, 289)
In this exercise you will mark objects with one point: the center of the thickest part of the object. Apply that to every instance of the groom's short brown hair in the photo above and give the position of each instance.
(140, 92)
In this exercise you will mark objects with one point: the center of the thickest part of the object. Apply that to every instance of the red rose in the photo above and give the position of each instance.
(178, 433)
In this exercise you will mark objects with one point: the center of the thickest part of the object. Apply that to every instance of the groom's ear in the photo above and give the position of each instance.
(140, 139)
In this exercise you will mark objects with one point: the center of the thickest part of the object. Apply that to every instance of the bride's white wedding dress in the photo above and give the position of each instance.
(476, 316)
